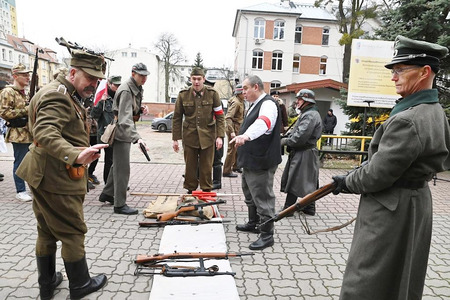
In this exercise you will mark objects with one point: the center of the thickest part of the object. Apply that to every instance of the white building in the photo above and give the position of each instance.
(290, 45)
(125, 58)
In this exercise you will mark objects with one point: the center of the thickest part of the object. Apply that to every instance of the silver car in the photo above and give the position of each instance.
(164, 123)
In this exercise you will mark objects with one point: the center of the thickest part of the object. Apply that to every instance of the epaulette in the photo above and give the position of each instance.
(185, 90)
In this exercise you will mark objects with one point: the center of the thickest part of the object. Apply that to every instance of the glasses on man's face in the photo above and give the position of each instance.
(400, 71)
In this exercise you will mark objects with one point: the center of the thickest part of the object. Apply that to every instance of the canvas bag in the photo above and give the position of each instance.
(110, 130)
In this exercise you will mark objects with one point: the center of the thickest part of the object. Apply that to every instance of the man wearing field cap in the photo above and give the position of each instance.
(55, 169)
(198, 121)
(389, 253)
(14, 109)
(127, 106)
(233, 119)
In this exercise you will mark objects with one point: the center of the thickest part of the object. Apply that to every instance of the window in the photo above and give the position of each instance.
(296, 64)
(277, 61)
(298, 34)
(278, 30)
(133, 54)
(259, 29)
(323, 65)
(257, 60)
(275, 84)
(3, 54)
(325, 36)
(124, 54)
(10, 55)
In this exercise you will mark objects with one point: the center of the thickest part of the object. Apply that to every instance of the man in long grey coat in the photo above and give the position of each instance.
(389, 253)
(301, 174)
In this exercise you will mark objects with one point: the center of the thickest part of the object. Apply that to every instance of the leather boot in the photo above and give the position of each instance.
(217, 177)
(48, 278)
(310, 209)
(253, 220)
(80, 282)
(265, 238)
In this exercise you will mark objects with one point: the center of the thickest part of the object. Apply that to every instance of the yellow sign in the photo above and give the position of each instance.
(370, 82)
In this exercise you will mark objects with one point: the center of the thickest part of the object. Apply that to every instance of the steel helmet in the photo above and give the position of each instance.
(306, 95)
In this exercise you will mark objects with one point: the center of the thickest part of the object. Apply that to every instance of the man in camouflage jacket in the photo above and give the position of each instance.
(14, 109)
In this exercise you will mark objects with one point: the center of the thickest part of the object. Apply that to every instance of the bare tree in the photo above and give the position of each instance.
(171, 55)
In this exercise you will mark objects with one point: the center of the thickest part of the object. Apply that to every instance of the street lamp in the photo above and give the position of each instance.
(365, 115)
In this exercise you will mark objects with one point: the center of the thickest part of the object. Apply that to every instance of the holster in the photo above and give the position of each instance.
(18, 122)
(76, 173)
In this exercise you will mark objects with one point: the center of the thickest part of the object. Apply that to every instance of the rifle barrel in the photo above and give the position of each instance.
(141, 259)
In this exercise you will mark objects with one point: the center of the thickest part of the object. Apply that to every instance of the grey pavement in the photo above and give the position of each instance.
(298, 266)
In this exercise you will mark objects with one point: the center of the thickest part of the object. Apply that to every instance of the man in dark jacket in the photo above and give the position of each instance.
(329, 122)
(104, 114)
(259, 154)
(301, 174)
(389, 253)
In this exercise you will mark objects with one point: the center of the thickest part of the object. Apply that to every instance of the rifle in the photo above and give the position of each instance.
(144, 151)
(301, 203)
(198, 194)
(179, 222)
(159, 257)
(34, 77)
(184, 208)
(69, 45)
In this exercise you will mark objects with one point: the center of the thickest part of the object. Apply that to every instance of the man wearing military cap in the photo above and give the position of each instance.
(14, 109)
(55, 169)
(103, 113)
(233, 119)
(301, 173)
(127, 106)
(389, 253)
(201, 128)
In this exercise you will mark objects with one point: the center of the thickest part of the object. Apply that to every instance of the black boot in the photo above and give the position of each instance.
(48, 278)
(217, 177)
(253, 220)
(310, 209)
(265, 238)
(80, 283)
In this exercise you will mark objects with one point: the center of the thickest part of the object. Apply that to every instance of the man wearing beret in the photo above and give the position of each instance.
(104, 114)
(55, 169)
(127, 107)
(389, 253)
(14, 109)
(202, 127)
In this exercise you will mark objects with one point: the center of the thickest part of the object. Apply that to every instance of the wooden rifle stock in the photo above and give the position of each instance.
(142, 259)
(188, 207)
(301, 203)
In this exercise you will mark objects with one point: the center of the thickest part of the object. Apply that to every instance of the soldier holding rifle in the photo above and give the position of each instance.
(55, 169)
(389, 253)
(259, 154)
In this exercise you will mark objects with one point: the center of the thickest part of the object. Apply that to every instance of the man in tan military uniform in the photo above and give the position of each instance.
(14, 109)
(61, 147)
(202, 111)
(233, 119)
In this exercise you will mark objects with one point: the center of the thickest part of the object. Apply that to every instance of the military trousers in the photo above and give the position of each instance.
(201, 160)
(119, 174)
(231, 159)
(59, 218)
(257, 186)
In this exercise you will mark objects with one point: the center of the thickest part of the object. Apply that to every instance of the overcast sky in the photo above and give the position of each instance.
(203, 26)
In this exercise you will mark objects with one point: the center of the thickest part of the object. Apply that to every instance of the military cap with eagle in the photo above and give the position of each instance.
(89, 63)
(420, 53)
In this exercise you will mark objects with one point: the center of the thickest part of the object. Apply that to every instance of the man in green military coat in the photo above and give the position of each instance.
(389, 253)
(55, 169)
(203, 125)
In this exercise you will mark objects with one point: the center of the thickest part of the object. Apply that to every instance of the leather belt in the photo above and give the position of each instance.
(410, 184)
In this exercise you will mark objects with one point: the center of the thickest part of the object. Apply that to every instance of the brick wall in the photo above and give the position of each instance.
(158, 110)
(309, 65)
(269, 30)
(267, 61)
(312, 35)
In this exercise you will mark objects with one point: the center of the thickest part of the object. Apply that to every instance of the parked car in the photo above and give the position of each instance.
(164, 123)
